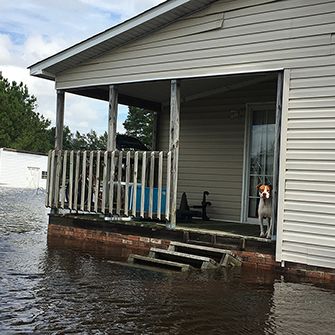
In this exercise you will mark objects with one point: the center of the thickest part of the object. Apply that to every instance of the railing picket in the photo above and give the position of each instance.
(151, 185)
(47, 204)
(144, 167)
(135, 183)
(104, 183)
(126, 191)
(76, 182)
(57, 179)
(52, 174)
(90, 181)
(168, 186)
(62, 195)
(160, 183)
(119, 179)
(97, 183)
(111, 183)
(70, 199)
(83, 182)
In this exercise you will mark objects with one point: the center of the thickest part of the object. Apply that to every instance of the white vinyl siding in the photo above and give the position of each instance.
(281, 34)
(307, 212)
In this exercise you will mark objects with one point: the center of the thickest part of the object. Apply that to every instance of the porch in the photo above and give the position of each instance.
(200, 143)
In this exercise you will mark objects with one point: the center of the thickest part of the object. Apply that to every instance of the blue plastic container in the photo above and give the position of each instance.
(147, 199)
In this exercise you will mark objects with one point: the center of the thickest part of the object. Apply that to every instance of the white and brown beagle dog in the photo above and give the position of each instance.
(265, 208)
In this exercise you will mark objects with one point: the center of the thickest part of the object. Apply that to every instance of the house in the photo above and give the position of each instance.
(243, 91)
(22, 169)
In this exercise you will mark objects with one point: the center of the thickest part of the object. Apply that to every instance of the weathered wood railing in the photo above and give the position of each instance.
(110, 182)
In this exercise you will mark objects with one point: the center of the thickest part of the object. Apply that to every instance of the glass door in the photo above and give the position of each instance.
(260, 155)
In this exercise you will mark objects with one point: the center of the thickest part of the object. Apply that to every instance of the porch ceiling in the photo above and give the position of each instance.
(152, 95)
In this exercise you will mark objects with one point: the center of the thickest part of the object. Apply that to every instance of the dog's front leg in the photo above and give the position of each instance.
(268, 232)
(261, 226)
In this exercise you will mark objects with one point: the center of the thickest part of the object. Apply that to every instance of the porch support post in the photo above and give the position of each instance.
(59, 120)
(112, 117)
(174, 147)
(276, 160)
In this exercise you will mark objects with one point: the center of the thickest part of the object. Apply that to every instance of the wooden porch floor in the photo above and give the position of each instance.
(225, 227)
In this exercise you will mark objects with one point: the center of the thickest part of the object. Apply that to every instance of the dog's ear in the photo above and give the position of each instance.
(258, 186)
(270, 187)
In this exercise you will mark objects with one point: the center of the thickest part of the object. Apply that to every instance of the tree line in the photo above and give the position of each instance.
(22, 128)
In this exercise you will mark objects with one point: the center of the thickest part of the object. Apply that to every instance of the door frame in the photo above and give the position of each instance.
(281, 99)
(246, 155)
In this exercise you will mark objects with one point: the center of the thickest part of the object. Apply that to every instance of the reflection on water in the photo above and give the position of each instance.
(63, 288)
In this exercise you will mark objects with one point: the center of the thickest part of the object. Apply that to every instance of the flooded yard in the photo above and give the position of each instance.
(61, 288)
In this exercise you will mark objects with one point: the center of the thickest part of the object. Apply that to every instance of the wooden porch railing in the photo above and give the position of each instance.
(111, 182)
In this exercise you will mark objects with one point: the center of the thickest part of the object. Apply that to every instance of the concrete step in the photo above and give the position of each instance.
(222, 256)
(158, 263)
(196, 261)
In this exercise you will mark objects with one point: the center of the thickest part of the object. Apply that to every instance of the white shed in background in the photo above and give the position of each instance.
(20, 169)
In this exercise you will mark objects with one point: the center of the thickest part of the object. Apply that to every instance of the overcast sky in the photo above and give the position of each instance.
(31, 30)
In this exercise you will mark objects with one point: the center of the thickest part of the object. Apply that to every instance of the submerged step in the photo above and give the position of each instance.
(200, 262)
(160, 263)
(223, 256)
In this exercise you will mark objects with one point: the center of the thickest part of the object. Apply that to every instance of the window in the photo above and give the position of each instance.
(44, 174)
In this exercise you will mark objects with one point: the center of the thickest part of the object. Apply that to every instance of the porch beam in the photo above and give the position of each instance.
(124, 99)
(141, 103)
(174, 147)
(112, 117)
(227, 88)
(276, 156)
(60, 102)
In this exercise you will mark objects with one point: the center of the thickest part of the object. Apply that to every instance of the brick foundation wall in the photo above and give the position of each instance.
(141, 245)
(138, 244)
(259, 261)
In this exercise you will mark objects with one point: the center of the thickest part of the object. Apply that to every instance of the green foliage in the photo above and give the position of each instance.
(89, 141)
(79, 141)
(20, 126)
(139, 124)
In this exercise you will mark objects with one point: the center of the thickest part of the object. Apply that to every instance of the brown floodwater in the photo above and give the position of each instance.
(62, 287)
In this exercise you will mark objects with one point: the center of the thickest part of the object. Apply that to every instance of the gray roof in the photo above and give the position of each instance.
(142, 24)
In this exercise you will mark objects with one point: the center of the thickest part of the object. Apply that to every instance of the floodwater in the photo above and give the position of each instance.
(62, 288)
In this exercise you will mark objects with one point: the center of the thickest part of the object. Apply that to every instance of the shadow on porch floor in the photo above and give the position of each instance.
(227, 227)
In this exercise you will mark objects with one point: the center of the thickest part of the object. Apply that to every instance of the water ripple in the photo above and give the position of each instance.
(61, 288)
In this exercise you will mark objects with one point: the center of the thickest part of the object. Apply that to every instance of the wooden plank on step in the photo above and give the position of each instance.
(111, 183)
(151, 184)
(119, 180)
(104, 182)
(126, 191)
(157, 263)
(90, 182)
(168, 186)
(76, 182)
(135, 183)
(159, 186)
(144, 167)
(83, 181)
(70, 199)
(62, 196)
